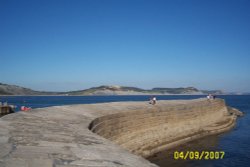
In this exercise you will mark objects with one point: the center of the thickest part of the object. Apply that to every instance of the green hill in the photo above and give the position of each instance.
(6, 89)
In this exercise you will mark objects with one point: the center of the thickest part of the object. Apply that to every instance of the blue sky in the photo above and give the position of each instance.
(69, 45)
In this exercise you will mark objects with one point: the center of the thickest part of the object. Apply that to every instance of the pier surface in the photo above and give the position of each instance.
(117, 134)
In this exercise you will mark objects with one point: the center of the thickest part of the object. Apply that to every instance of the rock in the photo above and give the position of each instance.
(234, 111)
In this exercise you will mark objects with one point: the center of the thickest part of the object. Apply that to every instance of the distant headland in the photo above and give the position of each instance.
(6, 89)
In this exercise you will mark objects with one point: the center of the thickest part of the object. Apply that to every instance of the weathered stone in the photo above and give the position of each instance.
(60, 136)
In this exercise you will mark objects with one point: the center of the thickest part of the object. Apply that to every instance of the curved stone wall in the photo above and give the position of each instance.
(147, 131)
(59, 136)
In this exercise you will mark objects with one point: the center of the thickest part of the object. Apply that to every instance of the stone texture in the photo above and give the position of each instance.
(59, 136)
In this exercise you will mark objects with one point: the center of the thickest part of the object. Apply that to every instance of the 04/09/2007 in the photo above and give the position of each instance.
(198, 155)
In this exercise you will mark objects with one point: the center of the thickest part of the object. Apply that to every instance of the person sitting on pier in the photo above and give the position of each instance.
(23, 108)
(152, 100)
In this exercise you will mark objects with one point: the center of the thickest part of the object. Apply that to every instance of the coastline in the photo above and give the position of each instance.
(130, 95)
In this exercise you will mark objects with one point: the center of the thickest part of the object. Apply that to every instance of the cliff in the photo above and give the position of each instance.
(107, 134)
(124, 90)
(6, 89)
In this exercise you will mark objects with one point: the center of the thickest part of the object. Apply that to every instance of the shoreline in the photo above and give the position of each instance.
(124, 95)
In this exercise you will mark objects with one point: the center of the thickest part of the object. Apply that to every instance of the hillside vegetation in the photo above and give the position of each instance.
(6, 89)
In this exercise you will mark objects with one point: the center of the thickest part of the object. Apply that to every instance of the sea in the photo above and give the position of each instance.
(235, 143)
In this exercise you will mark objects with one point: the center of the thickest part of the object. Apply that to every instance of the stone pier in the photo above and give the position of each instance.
(118, 134)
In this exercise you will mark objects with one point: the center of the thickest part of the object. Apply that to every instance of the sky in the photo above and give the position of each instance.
(62, 45)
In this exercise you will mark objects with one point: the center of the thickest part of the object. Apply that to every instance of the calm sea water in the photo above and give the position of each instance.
(235, 143)
(46, 101)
